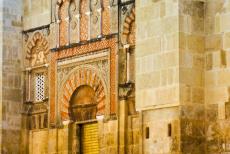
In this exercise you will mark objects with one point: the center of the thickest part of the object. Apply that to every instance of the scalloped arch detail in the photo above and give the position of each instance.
(82, 76)
(128, 34)
(37, 49)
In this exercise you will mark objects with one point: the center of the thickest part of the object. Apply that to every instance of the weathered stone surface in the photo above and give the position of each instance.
(36, 13)
(175, 52)
(10, 77)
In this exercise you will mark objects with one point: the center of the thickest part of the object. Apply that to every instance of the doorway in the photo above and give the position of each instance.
(89, 138)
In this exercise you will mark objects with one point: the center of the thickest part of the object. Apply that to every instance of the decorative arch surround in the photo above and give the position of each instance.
(54, 95)
(79, 77)
(128, 34)
(37, 50)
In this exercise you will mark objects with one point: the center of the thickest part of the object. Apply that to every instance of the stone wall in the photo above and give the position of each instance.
(108, 137)
(1, 55)
(36, 13)
(191, 75)
(133, 134)
(11, 66)
(217, 75)
(157, 53)
(48, 141)
(182, 77)
(58, 140)
(164, 131)
(170, 72)
(157, 75)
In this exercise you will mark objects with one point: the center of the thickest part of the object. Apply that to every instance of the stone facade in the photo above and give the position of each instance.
(157, 75)
(144, 76)
(11, 75)
(187, 68)
(216, 76)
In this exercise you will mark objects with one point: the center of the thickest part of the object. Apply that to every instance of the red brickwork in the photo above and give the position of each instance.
(83, 76)
(84, 21)
(106, 18)
(64, 23)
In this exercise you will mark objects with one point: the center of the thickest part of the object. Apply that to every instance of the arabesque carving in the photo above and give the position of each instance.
(37, 50)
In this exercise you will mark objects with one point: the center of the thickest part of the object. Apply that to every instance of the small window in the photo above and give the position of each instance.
(169, 130)
(227, 110)
(39, 87)
(147, 132)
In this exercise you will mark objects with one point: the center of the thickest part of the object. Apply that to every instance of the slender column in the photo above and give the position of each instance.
(105, 18)
(100, 11)
(74, 138)
(57, 25)
(126, 47)
(36, 121)
(29, 85)
(67, 19)
(42, 120)
(84, 20)
(128, 67)
(122, 125)
(78, 27)
(89, 14)
(58, 33)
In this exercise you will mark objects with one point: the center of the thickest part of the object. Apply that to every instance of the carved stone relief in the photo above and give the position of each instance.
(37, 115)
(95, 18)
(37, 50)
(74, 14)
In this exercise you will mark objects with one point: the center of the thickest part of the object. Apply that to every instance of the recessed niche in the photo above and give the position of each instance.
(169, 130)
(147, 132)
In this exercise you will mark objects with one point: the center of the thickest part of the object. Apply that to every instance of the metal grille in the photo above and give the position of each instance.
(89, 136)
(40, 87)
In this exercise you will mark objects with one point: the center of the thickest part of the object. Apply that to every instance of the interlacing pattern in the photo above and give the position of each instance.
(40, 87)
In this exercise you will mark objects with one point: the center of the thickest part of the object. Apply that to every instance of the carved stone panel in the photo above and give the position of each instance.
(37, 50)
(95, 18)
(74, 14)
(113, 6)
(37, 115)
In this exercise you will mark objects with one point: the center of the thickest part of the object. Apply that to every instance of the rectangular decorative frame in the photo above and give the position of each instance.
(110, 43)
